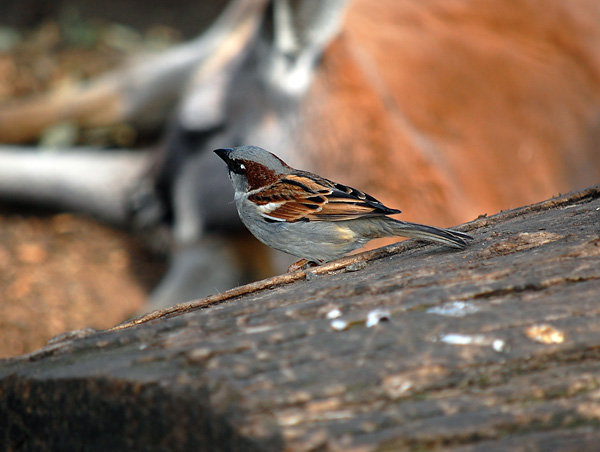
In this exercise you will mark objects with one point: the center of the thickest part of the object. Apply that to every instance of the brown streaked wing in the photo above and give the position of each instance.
(310, 182)
(293, 211)
(296, 197)
(309, 197)
(344, 209)
(291, 189)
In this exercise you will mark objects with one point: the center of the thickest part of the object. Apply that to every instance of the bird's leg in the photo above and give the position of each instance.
(302, 264)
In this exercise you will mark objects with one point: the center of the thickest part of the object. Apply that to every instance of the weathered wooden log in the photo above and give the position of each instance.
(443, 109)
(488, 349)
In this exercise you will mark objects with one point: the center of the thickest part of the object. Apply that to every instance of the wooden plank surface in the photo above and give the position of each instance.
(493, 348)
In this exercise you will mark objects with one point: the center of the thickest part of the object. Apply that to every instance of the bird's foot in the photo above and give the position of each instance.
(302, 264)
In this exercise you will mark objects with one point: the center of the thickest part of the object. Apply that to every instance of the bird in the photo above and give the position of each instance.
(309, 216)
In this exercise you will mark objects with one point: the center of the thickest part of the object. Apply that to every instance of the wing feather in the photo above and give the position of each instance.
(305, 197)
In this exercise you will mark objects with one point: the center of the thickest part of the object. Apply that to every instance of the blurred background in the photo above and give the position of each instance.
(62, 271)
(446, 109)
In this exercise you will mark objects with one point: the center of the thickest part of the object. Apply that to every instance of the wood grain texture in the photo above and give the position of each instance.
(493, 348)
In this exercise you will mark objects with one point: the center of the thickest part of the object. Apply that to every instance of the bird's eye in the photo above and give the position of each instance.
(237, 167)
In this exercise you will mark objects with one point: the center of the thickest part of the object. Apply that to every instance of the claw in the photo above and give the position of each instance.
(302, 264)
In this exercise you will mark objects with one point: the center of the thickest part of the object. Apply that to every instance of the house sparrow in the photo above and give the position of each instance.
(308, 216)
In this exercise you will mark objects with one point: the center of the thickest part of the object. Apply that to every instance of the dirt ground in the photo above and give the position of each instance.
(60, 272)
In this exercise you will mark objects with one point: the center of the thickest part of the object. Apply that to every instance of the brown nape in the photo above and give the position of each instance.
(258, 175)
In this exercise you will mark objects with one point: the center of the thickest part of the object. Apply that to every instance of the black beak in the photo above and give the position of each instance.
(224, 154)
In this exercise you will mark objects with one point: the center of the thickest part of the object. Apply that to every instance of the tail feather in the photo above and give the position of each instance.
(455, 239)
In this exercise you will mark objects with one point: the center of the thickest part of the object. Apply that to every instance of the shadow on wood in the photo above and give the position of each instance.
(491, 348)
